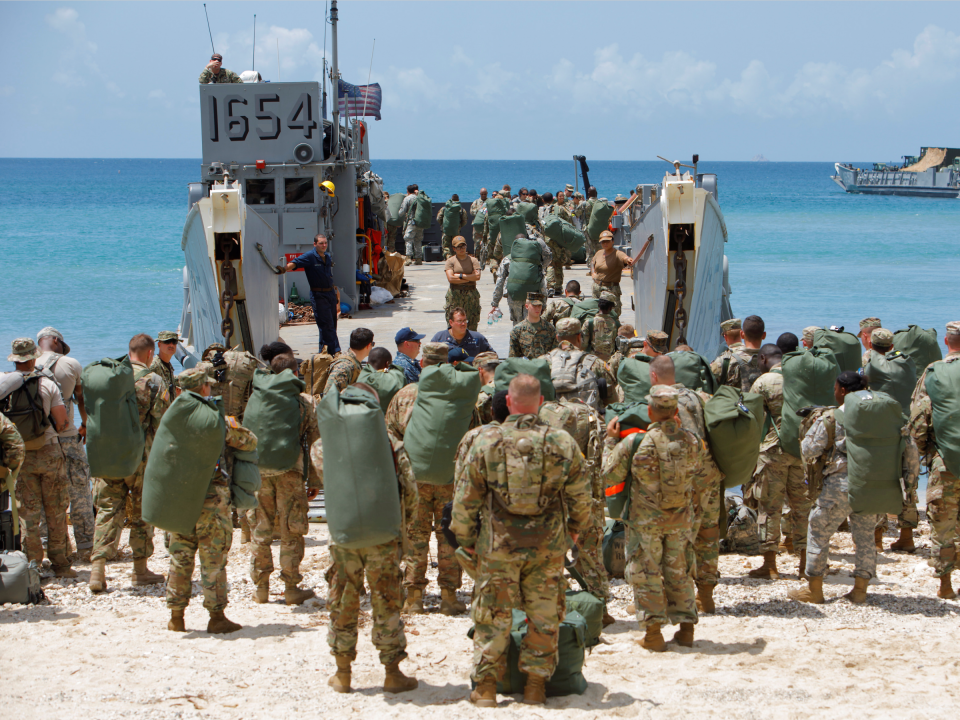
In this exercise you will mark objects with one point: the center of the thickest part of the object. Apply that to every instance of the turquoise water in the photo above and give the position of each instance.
(92, 247)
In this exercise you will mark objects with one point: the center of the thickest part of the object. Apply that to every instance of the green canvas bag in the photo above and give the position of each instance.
(588, 308)
(478, 220)
(599, 219)
(526, 271)
(19, 579)
(451, 218)
(273, 415)
(393, 210)
(808, 380)
(508, 369)
(529, 212)
(496, 209)
(894, 374)
(510, 227)
(693, 371)
(943, 386)
(182, 461)
(387, 383)
(423, 213)
(360, 485)
(563, 233)
(245, 480)
(921, 345)
(846, 347)
(734, 422)
(115, 440)
(614, 548)
(591, 609)
(633, 376)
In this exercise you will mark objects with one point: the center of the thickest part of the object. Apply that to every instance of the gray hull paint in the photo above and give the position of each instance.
(929, 183)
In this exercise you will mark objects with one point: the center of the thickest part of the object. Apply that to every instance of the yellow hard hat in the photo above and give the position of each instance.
(329, 187)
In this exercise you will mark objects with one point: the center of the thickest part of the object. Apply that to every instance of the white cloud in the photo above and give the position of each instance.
(77, 61)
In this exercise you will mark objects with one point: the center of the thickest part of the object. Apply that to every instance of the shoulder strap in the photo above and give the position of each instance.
(723, 372)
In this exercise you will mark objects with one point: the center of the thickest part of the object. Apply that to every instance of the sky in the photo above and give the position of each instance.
(808, 81)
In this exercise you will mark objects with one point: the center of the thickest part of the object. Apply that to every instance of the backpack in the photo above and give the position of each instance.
(510, 227)
(526, 271)
(921, 345)
(633, 377)
(743, 536)
(675, 488)
(393, 210)
(749, 370)
(813, 467)
(808, 379)
(524, 494)
(529, 212)
(603, 334)
(273, 415)
(423, 213)
(573, 378)
(599, 218)
(20, 401)
(315, 372)
(693, 371)
(508, 369)
(478, 220)
(496, 209)
(115, 437)
(943, 386)
(614, 548)
(451, 218)
(245, 480)
(588, 308)
(845, 347)
(19, 579)
(241, 366)
(894, 374)
(563, 233)
(387, 382)
(734, 423)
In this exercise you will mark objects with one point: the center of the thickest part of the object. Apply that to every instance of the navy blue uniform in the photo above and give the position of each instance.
(323, 296)
(473, 342)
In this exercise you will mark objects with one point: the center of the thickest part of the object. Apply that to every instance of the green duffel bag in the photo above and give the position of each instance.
(599, 219)
(245, 481)
(451, 218)
(921, 345)
(360, 485)
(182, 461)
(734, 423)
(590, 608)
(894, 374)
(19, 579)
(526, 270)
(423, 212)
(478, 220)
(943, 387)
(693, 371)
(508, 369)
(614, 548)
(387, 382)
(579, 256)
(529, 213)
(808, 380)
(588, 308)
(510, 227)
(115, 440)
(393, 210)
(872, 421)
(846, 347)
(564, 234)
(633, 376)
(441, 416)
(496, 209)
(273, 415)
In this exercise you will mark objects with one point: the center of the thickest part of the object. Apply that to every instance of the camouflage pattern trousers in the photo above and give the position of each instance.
(212, 537)
(345, 579)
(600, 287)
(706, 542)
(943, 496)
(828, 513)
(111, 496)
(282, 498)
(78, 485)
(413, 237)
(518, 310)
(446, 244)
(779, 476)
(660, 569)
(590, 558)
(530, 580)
(419, 527)
(42, 490)
(467, 298)
(555, 272)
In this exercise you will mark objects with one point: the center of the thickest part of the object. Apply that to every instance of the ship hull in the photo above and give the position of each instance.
(929, 183)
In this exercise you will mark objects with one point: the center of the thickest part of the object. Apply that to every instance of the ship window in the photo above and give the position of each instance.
(298, 191)
(260, 192)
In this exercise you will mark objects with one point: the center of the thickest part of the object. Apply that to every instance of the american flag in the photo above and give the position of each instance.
(359, 100)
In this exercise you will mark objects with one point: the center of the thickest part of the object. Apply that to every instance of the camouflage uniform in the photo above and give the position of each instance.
(743, 367)
(111, 494)
(165, 371)
(517, 310)
(397, 416)
(559, 309)
(561, 256)
(77, 470)
(599, 336)
(343, 372)
(779, 475)
(411, 367)
(613, 288)
(211, 537)
(382, 566)
(466, 297)
(484, 412)
(597, 366)
(531, 341)
(447, 241)
(412, 235)
(11, 448)
(519, 557)
(224, 76)
(284, 497)
(41, 489)
(480, 239)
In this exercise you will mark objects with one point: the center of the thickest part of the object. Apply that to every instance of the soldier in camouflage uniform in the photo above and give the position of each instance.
(112, 494)
(559, 309)
(561, 256)
(778, 477)
(730, 332)
(627, 346)
(533, 337)
(584, 211)
(486, 364)
(669, 463)
(214, 72)
(12, 453)
(446, 243)
(867, 326)
(943, 487)
(600, 331)
(412, 235)
(525, 516)
(381, 563)
(346, 366)
(166, 346)
(739, 367)
(463, 272)
(213, 533)
(516, 306)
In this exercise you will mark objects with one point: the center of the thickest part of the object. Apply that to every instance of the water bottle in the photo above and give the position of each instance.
(497, 315)
(490, 317)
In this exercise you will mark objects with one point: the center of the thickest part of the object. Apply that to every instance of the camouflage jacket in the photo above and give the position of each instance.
(12, 450)
(531, 341)
(343, 372)
(398, 412)
(308, 433)
(237, 438)
(690, 406)
(582, 423)
(546, 258)
(596, 365)
(770, 386)
(920, 391)
(165, 371)
(153, 399)
(408, 210)
(562, 211)
(484, 410)
(599, 335)
(743, 367)
(560, 308)
(224, 76)
(493, 465)
(826, 436)
(463, 448)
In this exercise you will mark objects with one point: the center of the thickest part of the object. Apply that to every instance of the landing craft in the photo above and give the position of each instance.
(935, 173)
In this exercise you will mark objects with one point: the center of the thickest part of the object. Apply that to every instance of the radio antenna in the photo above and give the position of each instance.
(208, 29)
(254, 64)
(369, 76)
(278, 59)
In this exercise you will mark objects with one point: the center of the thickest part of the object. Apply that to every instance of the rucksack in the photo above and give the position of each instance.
(423, 214)
(386, 382)
(496, 209)
(563, 233)
(749, 370)
(510, 227)
(19, 579)
(20, 401)
(572, 377)
(451, 218)
(845, 347)
(808, 379)
(614, 548)
(943, 386)
(529, 213)
(734, 423)
(525, 492)
(693, 371)
(393, 210)
(315, 371)
(894, 374)
(239, 382)
(590, 609)
(602, 333)
(743, 536)
(245, 479)
(478, 220)
(588, 308)
(921, 345)
(599, 218)
(273, 415)
(675, 487)
(115, 438)
(508, 369)
(633, 376)
(526, 270)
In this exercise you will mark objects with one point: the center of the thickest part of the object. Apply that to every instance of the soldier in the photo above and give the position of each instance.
(486, 364)
(284, 497)
(627, 346)
(558, 309)
(346, 366)
(481, 202)
(584, 210)
(669, 463)
(12, 453)
(167, 341)
(463, 272)
(730, 332)
(808, 333)
(740, 367)
(525, 511)
(214, 72)
(787, 342)
(600, 331)
(447, 240)
(606, 268)
(408, 347)
(561, 256)
(570, 339)
(112, 494)
(655, 343)
(479, 209)
(779, 476)
(943, 487)
(41, 487)
(867, 326)
(516, 306)
(412, 235)
(317, 265)
(533, 337)
(213, 533)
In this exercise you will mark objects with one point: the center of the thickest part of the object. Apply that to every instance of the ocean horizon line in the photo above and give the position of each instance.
(484, 160)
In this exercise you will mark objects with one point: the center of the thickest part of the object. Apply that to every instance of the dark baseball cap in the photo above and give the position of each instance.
(406, 334)
(458, 354)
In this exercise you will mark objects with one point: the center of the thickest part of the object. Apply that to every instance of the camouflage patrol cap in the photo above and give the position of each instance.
(730, 325)
(953, 328)
(608, 296)
(881, 337)
(568, 188)
(809, 332)
(435, 352)
(658, 340)
(568, 327)
(870, 322)
(486, 358)
(535, 298)
(54, 333)
(663, 397)
(459, 240)
(193, 378)
(23, 350)
(167, 336)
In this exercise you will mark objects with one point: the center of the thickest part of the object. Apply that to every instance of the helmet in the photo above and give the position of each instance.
(329, 187)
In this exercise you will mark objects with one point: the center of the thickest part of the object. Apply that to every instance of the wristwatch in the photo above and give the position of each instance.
(461, 276)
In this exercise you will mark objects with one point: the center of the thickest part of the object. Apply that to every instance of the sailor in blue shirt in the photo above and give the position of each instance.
(457, 335)
(408, 347)
(318, 266)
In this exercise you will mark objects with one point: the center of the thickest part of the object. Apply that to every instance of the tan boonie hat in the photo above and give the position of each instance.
(54, 333)
(606, 235)
(23, 350)
(458, 240)
(659, 340)
(953, 328)
(608, 296)
(486, 358)
(568, 327)
(435, 352)
(809, 332)
(881, 337)
(535, 298)
(568, 188)
(663, 397)
(870, 322)
(167, 336)
(193, 378)
(731, 325)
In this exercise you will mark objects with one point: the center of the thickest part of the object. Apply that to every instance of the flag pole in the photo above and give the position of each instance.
(369, 75)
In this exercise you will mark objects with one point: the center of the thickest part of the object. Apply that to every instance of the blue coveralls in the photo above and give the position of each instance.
(323, 296)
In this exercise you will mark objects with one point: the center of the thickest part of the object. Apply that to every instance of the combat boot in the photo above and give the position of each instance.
(262, 595)
(176, 623)
(878, 538)
(414, 602)
(787, 545)
(767, 571)
(98, 576)
(485, 694)
(705, 602)
(297, 596)
(608, 619)
(221, 625)
(396, 682)
(244, 535)
(802, 570)
(340, 681)
(141, 574)
(83, 556)
(535, 691)
(859, 593)
(813, 593)
(905, 542)
(653, 640)
(684, 636)
(61, 566)
(946, 588)
(418, 262)
(449, 604)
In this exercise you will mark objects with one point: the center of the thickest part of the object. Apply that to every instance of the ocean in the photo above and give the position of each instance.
(92, 247)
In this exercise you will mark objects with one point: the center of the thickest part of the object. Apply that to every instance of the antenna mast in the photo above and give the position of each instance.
(254, 42)
(208, 29)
